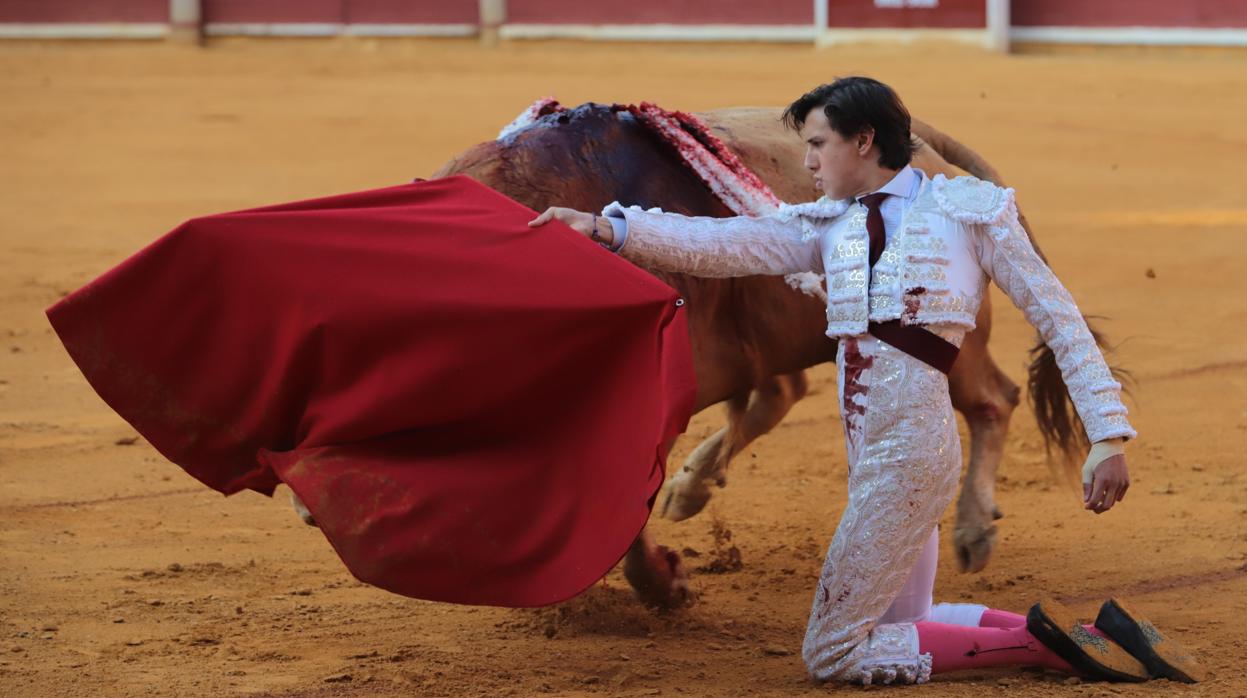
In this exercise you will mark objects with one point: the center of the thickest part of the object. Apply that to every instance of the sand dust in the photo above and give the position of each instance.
(120, 575)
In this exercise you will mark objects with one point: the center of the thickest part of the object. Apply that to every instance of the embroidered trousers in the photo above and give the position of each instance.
(904, 458)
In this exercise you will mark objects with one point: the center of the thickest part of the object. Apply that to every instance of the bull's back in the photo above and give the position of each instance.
(777, 155)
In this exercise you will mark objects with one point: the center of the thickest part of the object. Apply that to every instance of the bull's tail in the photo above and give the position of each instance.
(1062, 432)
(959, 154)
(956, 153)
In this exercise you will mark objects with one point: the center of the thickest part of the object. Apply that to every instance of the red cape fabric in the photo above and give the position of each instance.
(474, 411)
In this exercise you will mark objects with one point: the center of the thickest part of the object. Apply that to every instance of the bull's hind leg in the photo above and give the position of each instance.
(656, 573)
(748, 417)
(986, 397)
(301, 509)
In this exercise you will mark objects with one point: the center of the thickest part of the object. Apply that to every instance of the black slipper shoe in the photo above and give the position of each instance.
(1098, 658)
(1163, 657)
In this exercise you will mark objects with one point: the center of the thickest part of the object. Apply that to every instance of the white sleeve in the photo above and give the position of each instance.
(716, 247)
(1008, 257)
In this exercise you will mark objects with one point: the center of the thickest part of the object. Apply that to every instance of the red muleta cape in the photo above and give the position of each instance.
(473, 410)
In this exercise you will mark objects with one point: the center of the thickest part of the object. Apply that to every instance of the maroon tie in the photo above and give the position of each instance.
(919, 343)
(874, 224)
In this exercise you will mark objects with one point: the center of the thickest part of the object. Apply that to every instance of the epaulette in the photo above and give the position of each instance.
(823, 208)
(805, 214)
(970, 199)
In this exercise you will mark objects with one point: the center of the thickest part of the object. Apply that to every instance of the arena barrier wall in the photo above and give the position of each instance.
(1130, 22)
(993, 23)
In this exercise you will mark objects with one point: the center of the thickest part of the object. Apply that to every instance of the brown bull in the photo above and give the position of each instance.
(752, 337)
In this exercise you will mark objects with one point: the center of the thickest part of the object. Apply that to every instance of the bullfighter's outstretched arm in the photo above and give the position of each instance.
(715, 247)
(1007, 256)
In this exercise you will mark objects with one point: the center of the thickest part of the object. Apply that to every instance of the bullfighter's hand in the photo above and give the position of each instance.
(1109, 481)
(581, 222)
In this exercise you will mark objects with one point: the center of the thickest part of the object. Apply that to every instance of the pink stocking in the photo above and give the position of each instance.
(957, 647)
(1001, 619)
(993, 618)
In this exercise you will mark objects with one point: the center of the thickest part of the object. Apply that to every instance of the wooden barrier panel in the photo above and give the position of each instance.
(907, 14)
(339, 12)
(412, 11)
(82, 11)
(1196, 14)
(273, 11)
(680, 12)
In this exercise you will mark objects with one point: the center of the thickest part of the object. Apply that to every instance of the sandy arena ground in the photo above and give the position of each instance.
(120, 575)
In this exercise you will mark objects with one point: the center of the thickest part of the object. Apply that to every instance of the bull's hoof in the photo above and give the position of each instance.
(301, 509)
(658, 577)
(974, 546)
(684, 497)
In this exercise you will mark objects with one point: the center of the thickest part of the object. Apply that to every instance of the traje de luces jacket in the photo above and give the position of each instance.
(956, 235)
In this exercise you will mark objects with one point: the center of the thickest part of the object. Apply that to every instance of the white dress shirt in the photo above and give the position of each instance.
(904, 189)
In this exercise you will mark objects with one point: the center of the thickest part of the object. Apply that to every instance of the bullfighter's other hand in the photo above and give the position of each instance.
(1105, 476)
(586, 224)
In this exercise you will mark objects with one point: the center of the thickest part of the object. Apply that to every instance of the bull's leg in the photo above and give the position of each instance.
(986, 397)
(748, 417)
(301, 509)
(656, 573)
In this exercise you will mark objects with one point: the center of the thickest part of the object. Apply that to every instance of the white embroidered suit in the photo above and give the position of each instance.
(904, 453)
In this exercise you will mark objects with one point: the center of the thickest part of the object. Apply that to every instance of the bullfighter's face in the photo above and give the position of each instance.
(840, 165)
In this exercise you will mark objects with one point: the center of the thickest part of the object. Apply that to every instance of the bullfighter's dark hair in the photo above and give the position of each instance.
(856, 104)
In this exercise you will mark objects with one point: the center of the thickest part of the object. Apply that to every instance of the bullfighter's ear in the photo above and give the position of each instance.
(865, 139)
